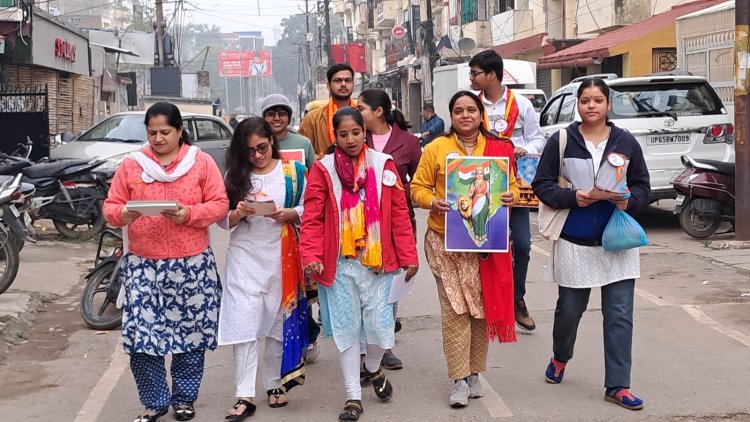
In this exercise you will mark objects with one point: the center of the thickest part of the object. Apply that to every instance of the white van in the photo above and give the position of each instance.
(669, 115)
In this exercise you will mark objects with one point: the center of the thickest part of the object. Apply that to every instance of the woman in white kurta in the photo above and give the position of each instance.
(252, 297)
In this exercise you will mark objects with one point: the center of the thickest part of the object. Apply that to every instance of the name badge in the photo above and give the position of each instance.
(500, 125)
(453, 154)
(616, 160)
(389, 178)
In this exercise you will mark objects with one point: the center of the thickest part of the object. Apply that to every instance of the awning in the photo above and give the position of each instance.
(592, 52)
(115, 49)
(526, 45)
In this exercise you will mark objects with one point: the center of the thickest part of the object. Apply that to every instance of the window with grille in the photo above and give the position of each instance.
(663, 59)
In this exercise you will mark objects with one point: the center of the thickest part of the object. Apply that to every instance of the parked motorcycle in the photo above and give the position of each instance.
(69, 192)
(99, 299)
(9, 189)
(705, 196)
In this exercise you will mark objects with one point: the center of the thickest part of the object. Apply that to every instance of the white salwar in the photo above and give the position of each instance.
(582, 267)
(251, 297)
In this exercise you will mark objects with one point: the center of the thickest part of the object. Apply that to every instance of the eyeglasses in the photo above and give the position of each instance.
(261, 148)
(279, 113)
(342, 80)
(474, 74)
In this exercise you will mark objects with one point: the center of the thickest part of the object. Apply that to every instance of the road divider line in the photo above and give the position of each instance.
(698, 315)
(656, 300)
(96, 400)
(493, 402)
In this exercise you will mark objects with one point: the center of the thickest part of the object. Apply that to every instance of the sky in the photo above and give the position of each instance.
(239, 15)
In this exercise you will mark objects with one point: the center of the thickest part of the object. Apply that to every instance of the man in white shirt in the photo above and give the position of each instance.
(512, 117)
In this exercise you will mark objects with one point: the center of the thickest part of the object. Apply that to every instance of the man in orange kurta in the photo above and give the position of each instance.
(317, 125)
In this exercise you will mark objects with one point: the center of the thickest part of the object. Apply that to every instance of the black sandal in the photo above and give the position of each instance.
(352, 410)
(249, 410)
(184, 412)
(383, 387)
(277, 392)
(151, 418)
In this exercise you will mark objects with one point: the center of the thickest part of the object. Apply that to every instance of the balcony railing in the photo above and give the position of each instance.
(469, 11)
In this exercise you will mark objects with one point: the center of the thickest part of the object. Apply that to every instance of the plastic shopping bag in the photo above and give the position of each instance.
(623, 232)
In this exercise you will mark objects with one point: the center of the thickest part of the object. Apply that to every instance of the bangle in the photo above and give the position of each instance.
(432, 202)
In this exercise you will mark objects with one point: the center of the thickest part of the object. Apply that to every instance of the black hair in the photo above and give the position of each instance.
(489, 61)
(173, 115)
(595, 83)
(378, 98)
(237, 177)
(347, 112)
(429, 107)
(338, 68)
(480, 106)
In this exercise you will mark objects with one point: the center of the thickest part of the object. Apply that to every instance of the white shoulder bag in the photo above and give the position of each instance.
(551, 220)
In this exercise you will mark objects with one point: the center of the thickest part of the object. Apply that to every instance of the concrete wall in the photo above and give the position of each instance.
(637, 59)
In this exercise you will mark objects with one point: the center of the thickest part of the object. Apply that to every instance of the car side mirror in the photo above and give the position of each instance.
(67, 137)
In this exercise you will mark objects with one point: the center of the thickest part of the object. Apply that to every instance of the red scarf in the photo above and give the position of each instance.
(511, 115)
(496, 271)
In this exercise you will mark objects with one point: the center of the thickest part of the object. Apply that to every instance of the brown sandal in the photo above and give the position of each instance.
(277, 393)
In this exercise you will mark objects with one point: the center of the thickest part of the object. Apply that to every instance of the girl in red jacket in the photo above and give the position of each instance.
(355, 234)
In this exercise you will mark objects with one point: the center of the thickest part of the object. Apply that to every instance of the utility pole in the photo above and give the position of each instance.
(308, 38)
(428, 58)
(742, 119)
(160, 32)
(326, 4)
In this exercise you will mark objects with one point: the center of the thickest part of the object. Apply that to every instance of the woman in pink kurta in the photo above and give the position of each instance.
(169, 275)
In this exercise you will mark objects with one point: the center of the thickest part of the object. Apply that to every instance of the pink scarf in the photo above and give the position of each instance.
(360, 214)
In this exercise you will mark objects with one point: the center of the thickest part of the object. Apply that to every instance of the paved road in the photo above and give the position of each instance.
(691, 348)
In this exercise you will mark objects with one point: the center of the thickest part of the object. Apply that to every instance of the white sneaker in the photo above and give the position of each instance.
(475, 387)
(311, 353)
(460, 395)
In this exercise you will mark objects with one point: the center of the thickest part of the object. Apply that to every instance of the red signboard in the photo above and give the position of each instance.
(235, 64)
(65, 50)
(353, 53)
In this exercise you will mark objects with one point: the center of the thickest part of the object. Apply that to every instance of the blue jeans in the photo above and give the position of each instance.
(520, 235)
(617, 309)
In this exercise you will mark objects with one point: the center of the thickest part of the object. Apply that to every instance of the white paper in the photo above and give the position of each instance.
(151, 208)
(262, 208)
(399, 287)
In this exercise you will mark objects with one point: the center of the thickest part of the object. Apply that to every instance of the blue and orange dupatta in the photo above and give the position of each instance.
(293, 297)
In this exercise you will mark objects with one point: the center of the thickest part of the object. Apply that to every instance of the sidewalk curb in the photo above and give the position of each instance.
(18, 310)
(727, 244)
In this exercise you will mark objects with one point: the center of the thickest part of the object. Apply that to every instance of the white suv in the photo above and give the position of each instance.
(669, 115)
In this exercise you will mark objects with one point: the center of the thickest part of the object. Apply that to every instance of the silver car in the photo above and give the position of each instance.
(117, 136)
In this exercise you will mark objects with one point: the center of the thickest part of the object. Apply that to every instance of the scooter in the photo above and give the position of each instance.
(705, 196)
